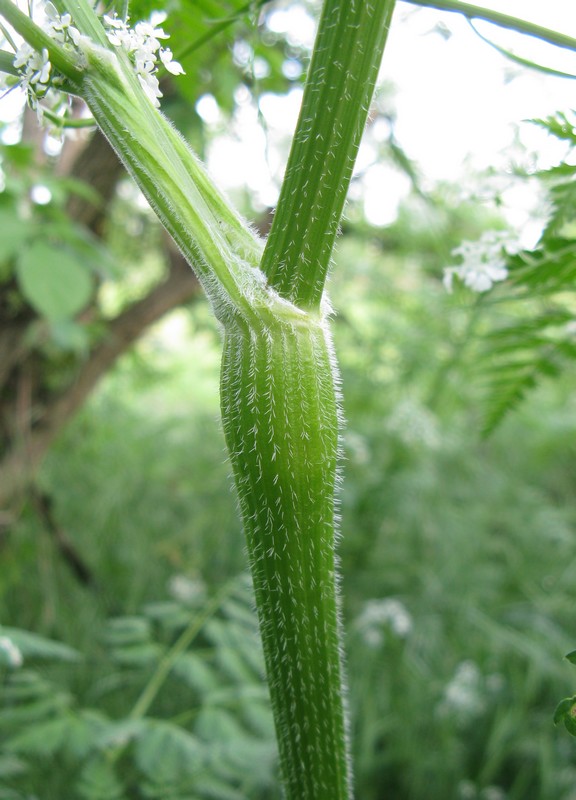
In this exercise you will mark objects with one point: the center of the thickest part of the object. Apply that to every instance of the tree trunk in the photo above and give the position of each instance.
(31, 418)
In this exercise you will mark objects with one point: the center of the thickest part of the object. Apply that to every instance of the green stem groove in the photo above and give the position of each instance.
(280, 415)
(339, 88)
(279, 395)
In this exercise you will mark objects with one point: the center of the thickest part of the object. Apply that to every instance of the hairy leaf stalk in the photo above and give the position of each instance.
(280, 414)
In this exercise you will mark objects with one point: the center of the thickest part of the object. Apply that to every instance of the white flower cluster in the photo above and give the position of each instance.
(189, 591)
(377, 616)
(36, 73)
(483, 262)
(468, 693)
(10, 652)
(142, 43)
(469, 791)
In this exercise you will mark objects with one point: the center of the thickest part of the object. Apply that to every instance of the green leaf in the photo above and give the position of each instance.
(19, 155)
(562, 709)
(31, 645)
(32, 713)
(168, 754)
(559, 126)
(53, 282)
(70, 336)
(112, 735)
(85, 734)
(196, 673)
(170, 616)
(14, 233)
(40, 739)
(571, 657)
(98, 781)
(213, 789)
(137, 655)
(125, 631)
(11, 765)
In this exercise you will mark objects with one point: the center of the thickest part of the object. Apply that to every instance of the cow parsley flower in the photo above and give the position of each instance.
(57, 26)
(143, 44)
(464, 697)
(37, 76)
(483, 262)
(381, 616)
(174, 67)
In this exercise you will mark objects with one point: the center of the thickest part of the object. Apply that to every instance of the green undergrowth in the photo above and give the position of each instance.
(458, 556)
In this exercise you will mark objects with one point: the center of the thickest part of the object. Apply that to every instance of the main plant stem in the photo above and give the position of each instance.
(280, 417)
(279, 384)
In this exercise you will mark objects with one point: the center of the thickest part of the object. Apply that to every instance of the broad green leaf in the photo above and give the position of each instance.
(562, 709)
(566, 713)
(218, 725)
(70, 336)
(14, 233)
(571, 657)
(53, 282)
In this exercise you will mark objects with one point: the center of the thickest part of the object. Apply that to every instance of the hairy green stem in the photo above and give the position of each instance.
(214, 239)
(62, 59)
(279, 395)
(339, 87)
(280, 416)
(502, 20)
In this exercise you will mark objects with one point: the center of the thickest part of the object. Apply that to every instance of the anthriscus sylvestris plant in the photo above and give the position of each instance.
(279, 384)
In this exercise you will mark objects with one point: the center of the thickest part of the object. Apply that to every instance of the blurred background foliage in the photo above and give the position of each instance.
(122, 571)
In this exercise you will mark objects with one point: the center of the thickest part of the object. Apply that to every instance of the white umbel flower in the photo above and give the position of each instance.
(172, 66)
(483, 262)
(142, 44)
(381, 616)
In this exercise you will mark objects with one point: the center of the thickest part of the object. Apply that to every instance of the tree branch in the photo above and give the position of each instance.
(19, 465)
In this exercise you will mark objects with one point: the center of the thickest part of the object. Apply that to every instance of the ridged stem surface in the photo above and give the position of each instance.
(337, 96)
(280, 415)
(278, 383)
